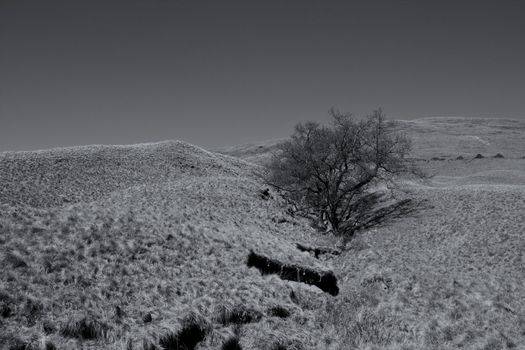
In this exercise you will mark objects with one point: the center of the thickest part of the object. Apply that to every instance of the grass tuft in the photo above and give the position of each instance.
(48, 327)
(194, 331)
(278, 311)
(6, 305)
(85, 329)
(33, 310)
(14, 260)
(238, 314)
(50, 346)
(231, 344)
(287, 344)
(146, 318)
(148, 345)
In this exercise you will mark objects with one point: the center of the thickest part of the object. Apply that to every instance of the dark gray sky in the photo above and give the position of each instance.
(217, 73)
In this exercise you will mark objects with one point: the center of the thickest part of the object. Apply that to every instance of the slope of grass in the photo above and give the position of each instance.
(145, 247)
(91, 271)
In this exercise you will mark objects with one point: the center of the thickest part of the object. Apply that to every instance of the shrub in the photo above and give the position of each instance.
(335, 172)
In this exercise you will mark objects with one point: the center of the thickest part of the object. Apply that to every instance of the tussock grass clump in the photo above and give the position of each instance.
(50, 346)
(11, 342)
(287, 344)
(238, 314)
(146, 318)
(85, 329)
(33, 310)
(194, 330)
(231, 344)
(369, 328)
(48, 327)
(148, 345)
(14, 260)
(7, 305)
(279, 311)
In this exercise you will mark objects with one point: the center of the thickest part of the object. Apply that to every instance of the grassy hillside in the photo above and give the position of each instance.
(444, 138)
(130, 247)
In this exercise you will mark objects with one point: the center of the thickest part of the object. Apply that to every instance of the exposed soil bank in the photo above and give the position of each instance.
(326, 281)
(317, 250)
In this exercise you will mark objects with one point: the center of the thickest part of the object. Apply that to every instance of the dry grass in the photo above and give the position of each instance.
(106, 256)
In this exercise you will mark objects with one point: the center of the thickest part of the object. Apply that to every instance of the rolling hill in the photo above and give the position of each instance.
(146, 246)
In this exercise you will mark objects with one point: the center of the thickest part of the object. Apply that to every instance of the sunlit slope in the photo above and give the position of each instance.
(69, 175)
(110, 234)
(170, 239)
(451, 277)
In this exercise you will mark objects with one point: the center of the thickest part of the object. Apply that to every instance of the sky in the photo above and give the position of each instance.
(219, 73)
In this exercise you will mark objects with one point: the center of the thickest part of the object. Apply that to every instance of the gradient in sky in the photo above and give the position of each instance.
(219, 72)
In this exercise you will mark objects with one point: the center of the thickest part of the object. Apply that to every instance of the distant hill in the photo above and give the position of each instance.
(432, 137)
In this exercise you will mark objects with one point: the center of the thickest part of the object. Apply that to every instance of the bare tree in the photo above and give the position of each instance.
(341, 173)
